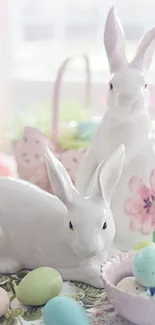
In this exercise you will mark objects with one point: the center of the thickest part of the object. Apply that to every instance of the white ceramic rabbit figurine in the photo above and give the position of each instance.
(126, 120)
(70, 233)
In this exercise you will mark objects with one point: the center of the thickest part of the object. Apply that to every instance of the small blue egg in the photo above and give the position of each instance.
(64, 311)
(144, 267)
(87, 129)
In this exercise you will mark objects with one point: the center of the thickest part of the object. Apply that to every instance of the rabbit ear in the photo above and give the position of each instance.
(114, 41)
(60, 180)
(108, 174)
(144, 54)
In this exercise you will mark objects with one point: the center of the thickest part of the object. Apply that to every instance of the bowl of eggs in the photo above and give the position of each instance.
(129, 281)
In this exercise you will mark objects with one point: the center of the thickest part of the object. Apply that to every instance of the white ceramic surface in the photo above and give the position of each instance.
(69, 232)
(126, 120)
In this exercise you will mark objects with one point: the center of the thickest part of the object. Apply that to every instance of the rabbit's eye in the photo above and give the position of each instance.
(71, 226)
(104, 226)
(145, 86)
(110, 86)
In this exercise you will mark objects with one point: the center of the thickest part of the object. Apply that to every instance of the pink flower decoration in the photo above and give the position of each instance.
(141, 208)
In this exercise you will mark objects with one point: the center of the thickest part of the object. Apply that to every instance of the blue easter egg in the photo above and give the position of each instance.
(64, 311)
(144, 267)
(87, 129)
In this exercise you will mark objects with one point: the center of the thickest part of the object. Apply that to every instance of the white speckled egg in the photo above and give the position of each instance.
(129, 284)
(4, 301)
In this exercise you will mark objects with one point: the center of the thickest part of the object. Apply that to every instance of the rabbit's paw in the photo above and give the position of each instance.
(94, 274)
(89, 274)
(8, 266)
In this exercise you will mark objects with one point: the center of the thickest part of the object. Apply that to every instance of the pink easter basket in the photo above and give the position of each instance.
(29, 150)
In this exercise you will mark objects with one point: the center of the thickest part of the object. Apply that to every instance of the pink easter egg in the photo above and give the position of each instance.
(4, 169)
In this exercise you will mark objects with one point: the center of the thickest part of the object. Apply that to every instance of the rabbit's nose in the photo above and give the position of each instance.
(91, 253)
(92, 250)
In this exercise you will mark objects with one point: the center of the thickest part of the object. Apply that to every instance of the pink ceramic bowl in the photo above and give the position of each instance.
(139, 310)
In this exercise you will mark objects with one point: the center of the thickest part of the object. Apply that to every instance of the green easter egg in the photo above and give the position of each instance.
(38, 286)
(143, 244)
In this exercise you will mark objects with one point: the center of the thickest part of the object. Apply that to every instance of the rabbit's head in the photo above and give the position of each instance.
(89, 226)
(128, 93)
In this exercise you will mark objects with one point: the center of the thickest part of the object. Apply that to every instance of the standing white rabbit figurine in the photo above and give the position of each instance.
(69, 232)
(126, 120)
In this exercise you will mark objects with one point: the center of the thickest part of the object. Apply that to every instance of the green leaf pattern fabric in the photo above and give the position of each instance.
(94, 301)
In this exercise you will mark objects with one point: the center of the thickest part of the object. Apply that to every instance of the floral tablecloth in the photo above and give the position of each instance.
(94, 301)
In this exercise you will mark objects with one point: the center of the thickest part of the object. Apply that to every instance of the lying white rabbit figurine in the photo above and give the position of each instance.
(70, 233)
(126, 120)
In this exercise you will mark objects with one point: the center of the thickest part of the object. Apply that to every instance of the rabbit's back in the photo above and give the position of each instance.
(30, 222)
(19, 198)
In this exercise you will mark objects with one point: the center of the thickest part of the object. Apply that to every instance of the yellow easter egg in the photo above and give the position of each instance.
(143, 244)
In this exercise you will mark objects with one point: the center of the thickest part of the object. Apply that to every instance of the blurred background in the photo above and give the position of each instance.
(37, 36)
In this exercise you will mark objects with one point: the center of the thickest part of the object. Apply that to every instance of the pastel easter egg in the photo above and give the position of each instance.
(144, 267)
(143, 244)
(64, 311)
(4, 302)
(129, 284)
(38, 286)
(87, 129)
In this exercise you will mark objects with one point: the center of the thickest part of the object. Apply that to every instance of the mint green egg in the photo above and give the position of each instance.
(64, 311)
(144, 267)
(86, 130)
(39, 286)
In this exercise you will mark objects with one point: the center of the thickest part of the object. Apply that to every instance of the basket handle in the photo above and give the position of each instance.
(56, 95)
